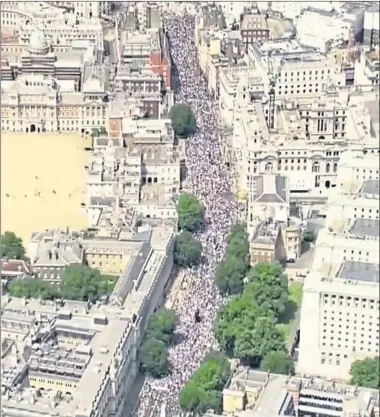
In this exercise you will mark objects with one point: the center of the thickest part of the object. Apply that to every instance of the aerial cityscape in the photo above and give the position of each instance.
(190, 209)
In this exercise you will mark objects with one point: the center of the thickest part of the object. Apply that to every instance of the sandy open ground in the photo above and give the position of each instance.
(42, 182)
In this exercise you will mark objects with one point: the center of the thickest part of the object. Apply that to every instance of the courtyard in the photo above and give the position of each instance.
(42, 182)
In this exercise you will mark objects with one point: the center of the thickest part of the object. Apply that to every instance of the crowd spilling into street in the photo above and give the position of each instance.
(209, 179)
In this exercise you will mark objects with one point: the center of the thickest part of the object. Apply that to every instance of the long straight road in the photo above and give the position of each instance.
(210, 180)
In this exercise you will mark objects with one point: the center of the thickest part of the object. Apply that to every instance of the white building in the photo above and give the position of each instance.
(340, 305)
(306, 143)
(320, 29)
(371, 26)
(96, 344)
(144, 176)
(296, 71)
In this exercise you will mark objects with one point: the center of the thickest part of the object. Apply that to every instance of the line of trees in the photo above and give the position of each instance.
(204, 389)
(78, 282)
(245, 327)
(154, 354)
(231, 272)
(187, 249)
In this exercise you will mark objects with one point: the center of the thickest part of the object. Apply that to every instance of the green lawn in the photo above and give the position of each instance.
(288, 319)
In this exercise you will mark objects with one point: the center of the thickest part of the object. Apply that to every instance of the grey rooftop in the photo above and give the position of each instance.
(359, 271)
(366, 227)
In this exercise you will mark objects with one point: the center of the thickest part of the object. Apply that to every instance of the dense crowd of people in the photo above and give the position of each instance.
(209, 179)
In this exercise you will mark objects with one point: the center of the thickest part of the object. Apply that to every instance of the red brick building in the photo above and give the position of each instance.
(160, 60)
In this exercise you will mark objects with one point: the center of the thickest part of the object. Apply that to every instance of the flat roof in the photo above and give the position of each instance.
(359, 271)
(370, 187)
(366, 227)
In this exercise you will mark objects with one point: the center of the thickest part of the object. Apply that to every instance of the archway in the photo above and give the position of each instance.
(149, 180)
(327, 184)
(269, 167)
(32, 128)
(27, 130)
(327, 167)
(315, 167)
(155, 180)
(144, 180)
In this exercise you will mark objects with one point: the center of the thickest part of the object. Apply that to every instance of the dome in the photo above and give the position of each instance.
(37, 41)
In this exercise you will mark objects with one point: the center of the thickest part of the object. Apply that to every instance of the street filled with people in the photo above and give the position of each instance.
(209, 179)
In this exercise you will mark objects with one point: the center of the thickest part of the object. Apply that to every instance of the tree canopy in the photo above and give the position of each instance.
(277, 362)
(162, 326)
(79, 282)
(232, 271)
(366, 373)
(204, 389)
(154, 358)
(183, 120)
(12, 246)
(153, 353)
(245, 326)
(268, 286)
(187, 250)
(244, 331)
(33, 288)
(190, 213)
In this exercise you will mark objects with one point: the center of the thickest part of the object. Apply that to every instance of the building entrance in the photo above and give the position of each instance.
(32, 128)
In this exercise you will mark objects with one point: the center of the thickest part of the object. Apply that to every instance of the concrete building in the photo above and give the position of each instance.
(297, 73)
(254, 394)
(309, 138)
(51, 252)
(371, 26)
(341, 293)
(144, 175)
(80, 359)
(274, 236)
(254, 27)
(320, 29)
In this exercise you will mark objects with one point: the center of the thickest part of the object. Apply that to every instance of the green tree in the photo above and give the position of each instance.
(235, 317)
(82, 283)
(366, 373)
(230, 275)
(308, 236)
(183, 120)
(12, 246)
(254, 342)
(187, 250)
(154, 358)
(238, 246)
(95, 133)
(161, 326)
(277, 362)
(204, 389)
(33, 288)
(190, 213)
(268, 286)
(191, 397)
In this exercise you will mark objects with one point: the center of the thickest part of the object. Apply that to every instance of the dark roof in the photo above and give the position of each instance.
(129, 276)
(270, 189)
(370, 187)
(14, 266)
(359, 271)
(366, 227)
(103, 201)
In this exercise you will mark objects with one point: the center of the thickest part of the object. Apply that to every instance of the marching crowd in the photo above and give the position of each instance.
(209, 179)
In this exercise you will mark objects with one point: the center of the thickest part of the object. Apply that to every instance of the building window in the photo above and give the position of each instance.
(315, 167)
